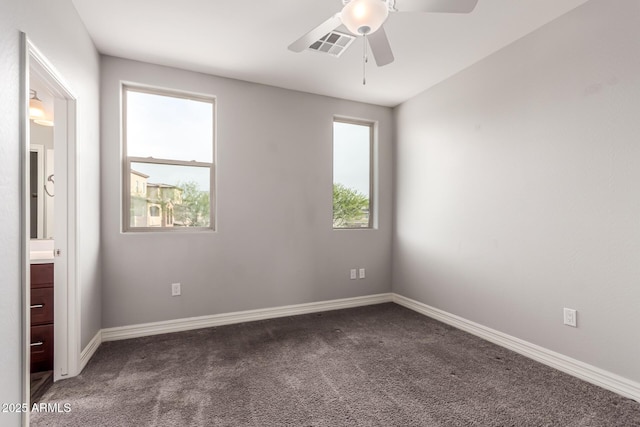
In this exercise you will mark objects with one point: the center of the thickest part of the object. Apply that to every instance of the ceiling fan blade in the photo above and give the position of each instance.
(312, 36)
(437, 6)
(380, 47)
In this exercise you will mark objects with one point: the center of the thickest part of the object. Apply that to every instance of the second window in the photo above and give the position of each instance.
(352, 174)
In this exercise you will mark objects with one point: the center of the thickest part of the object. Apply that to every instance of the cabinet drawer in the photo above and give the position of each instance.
(41, 275)
(41, 306)
(41, 348)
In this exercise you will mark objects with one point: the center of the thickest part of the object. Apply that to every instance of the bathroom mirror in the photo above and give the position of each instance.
(42, 181)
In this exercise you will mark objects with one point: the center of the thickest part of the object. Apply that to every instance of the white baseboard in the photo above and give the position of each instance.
(576, 368)
(178, 325)
(87, 353)
(584, 371)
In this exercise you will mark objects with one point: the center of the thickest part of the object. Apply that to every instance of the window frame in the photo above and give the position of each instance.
(373, 126)
(127, 160)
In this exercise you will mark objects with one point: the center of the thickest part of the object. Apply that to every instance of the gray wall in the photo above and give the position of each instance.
(56, 30)
(42, 135)
(274, 244)
(517, 189)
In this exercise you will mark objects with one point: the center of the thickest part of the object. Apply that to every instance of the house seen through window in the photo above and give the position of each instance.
(169, 156)
(352, 174)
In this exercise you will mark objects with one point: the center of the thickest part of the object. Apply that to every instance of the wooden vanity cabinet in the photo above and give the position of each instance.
(41, 317)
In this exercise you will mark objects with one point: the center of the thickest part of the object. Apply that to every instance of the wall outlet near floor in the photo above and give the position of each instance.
(570, 317)
(353, 274)
(361, 273)
(175, 289)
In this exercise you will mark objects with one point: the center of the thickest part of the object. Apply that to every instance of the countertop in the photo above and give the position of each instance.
(41, 257)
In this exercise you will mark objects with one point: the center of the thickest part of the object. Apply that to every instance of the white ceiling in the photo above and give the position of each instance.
(248, 39)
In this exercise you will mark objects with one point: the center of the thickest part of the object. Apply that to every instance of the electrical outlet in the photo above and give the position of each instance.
(353, 274)
(175, 289)
(361, 273)
(570, 317)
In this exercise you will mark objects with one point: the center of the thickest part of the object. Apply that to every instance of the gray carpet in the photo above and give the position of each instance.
(380, 365)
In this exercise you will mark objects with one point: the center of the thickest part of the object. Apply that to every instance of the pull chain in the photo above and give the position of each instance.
(364, 60)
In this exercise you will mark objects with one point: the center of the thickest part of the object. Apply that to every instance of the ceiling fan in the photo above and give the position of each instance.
(365, 18)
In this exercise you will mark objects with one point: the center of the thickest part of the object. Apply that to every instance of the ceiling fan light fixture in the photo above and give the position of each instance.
(45, 121)
(36, 107)
(363, 17)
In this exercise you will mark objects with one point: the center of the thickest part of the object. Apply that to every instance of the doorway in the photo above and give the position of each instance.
(50, 298)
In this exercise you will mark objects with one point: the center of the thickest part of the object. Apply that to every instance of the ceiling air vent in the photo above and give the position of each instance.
(334, 43)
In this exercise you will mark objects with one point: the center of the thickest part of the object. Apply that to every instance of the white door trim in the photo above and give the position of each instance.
(66, 294)
(25, 232)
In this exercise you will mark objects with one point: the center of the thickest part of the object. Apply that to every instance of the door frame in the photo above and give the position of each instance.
(66, 298)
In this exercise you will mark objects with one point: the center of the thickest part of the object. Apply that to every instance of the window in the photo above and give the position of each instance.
(168, 144)
(352, 179)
